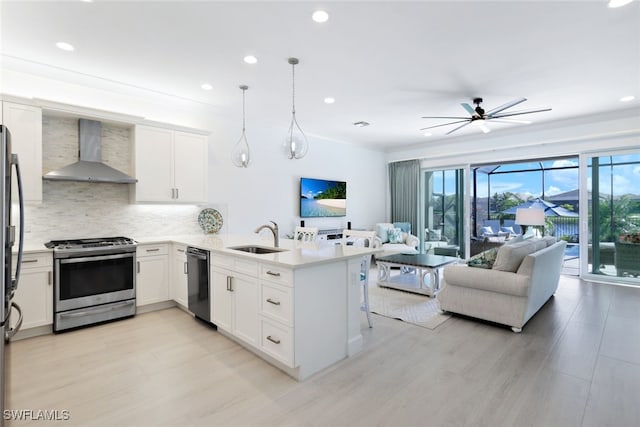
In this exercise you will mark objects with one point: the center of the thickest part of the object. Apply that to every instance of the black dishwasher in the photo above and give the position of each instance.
(198, 279)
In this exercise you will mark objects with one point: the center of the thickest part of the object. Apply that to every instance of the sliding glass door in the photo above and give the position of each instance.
(612, 198)
(443, 212)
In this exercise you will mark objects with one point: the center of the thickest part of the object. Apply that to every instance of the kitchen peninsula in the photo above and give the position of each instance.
(298, 308)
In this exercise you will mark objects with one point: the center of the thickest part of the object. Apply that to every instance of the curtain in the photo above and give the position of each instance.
(404, 180)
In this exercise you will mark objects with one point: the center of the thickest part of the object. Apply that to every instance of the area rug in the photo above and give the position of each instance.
(419, 310)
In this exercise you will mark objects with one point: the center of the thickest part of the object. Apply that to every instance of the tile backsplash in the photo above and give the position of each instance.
(78, 209)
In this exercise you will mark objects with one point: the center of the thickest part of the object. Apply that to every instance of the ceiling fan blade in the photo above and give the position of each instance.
(505, 106)
(516, 113)
(446, 124)
(441, 117)
(522, 122)
(469, 109)
(459, 127)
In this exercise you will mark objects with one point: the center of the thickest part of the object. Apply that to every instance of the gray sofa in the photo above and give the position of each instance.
(525, 275)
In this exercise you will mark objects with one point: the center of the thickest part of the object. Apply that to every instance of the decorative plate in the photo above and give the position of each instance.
(210, 220)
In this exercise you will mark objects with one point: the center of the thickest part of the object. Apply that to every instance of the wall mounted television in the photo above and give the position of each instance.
(322, 198)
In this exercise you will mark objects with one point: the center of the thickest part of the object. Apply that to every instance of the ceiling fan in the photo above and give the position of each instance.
(480, 117)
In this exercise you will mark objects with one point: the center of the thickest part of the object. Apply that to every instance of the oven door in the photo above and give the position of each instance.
(93, 280)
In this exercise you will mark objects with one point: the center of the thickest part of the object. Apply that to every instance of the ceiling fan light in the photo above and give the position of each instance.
(618, 3)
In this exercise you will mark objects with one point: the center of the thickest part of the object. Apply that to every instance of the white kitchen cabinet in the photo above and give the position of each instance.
(152, 281)
(171, 166)
(234, 305)
(25, 124)
(35, 290)
(179, 280)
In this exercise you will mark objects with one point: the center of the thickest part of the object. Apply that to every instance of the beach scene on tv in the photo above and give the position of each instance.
(320, 198)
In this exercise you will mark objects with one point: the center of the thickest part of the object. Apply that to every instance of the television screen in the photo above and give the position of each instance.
(321, 197)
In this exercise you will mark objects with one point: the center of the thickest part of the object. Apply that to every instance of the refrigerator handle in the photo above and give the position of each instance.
(14, 285)
(10, 332)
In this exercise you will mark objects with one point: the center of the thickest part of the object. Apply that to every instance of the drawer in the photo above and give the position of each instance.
(276, 274)
(238, 265)
(277, 341)
(35, 260)
(276, 302)
(179, 250)
(152, 250)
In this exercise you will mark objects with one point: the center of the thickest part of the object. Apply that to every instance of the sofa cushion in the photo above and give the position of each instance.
(502, 282)
(434, 234)
(507, 230)
(517, 239)
(510, 257)
(550, 240)
(395, 235)
(382, 230)
(486, 230)
(484, 259)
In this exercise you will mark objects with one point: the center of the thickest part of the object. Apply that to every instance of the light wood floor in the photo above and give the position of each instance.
(576, 363)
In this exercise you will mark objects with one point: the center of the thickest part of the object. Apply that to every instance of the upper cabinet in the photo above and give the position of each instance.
(171, 166)
(25, 124)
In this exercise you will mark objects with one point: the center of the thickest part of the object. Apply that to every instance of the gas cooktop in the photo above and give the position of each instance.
(91, 244)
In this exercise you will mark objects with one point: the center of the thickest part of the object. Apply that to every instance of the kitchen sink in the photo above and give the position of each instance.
(256, 249)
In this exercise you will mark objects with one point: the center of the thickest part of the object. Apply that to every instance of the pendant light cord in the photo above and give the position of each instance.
(293, 91)
(243, 91)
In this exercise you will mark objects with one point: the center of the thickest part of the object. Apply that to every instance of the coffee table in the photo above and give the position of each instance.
(413, 271)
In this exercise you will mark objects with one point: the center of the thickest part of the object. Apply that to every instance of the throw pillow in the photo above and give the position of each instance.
(486, 230)
(383, 231)
(435, 235)
(510, 257)
(395, 235)
(484, 259)
(404, 226)
(507, 230)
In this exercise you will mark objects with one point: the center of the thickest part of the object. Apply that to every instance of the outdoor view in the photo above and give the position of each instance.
(613, 241)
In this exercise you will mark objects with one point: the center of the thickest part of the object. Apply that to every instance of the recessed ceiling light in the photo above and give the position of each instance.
(320, 16)
(627, 98)
(427, 134)
(618, 3)
(65, 46)
(361, 124)
(250, 59)
(206, 86)
(329, 100)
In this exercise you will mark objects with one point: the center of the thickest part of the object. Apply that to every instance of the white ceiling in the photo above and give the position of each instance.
(385, 62)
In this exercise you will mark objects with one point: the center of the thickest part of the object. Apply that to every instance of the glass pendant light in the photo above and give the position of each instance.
(296, 145)
(241, 156)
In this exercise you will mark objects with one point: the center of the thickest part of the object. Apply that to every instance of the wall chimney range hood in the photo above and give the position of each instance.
(90, 167)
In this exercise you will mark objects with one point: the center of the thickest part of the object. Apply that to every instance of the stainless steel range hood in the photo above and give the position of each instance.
(90, 167)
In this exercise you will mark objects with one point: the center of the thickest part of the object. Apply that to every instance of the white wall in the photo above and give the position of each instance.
(269, 188)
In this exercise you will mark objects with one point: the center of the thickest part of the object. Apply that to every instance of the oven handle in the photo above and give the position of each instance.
(96, 258)
(111, 307)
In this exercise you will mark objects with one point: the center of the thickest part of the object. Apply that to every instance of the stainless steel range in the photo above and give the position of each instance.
(94, 281)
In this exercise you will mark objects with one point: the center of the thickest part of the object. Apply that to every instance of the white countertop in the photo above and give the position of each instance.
(294, 254)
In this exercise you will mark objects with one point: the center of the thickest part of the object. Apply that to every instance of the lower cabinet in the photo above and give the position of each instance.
(234, 305)
(35, 291)
(179, 279)
(152, 281)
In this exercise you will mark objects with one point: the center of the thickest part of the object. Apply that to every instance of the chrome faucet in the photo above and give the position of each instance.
(274, 230)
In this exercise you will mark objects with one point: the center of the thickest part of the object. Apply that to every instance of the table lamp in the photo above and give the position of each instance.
(529, 216)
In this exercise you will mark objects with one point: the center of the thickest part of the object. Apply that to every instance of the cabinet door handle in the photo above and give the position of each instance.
(270, 301)
(153, 250)
(186, 268)
(230, 283)
(173, 193)
(273, 340)
(25, 261)
(271, 273)
(50, 278)
(177, 193)
(180, 250)
(138, 266)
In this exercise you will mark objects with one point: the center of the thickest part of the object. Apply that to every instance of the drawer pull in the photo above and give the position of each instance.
(24, 261)
(270, 301)
(180, 250)
(50, 278)
(153, 250)
(273, 340)
(271, 273)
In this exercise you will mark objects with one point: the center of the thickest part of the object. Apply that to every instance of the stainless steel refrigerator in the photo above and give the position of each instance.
(8, 162)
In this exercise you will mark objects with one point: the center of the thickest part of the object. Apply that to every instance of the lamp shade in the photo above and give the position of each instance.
(527, 216)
